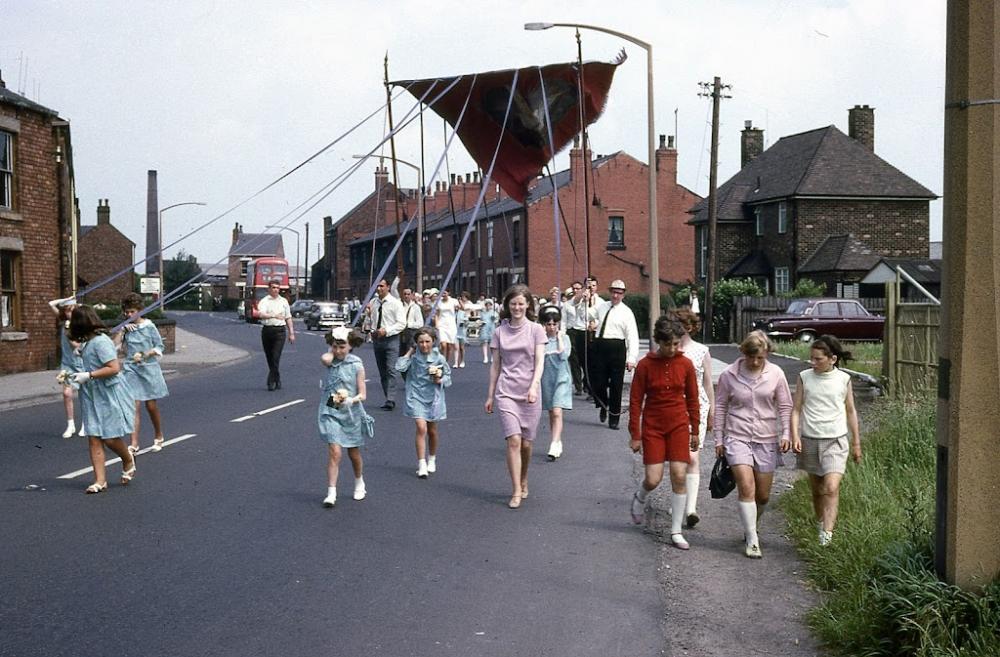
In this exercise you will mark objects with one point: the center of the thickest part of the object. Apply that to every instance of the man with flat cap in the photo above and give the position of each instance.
(614, 349)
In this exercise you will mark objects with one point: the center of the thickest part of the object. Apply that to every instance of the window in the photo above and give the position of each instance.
(6, 170)
(439, 249)
(826, 309)
(454, 242)
(475, 242)
(426, 242)
(489, 239)
(782, 217)
(758, 222)
(849, 309)
(10, 298)
(780, 280)
(489, 285)
(411, 255)
(516, 237)
(616, 233)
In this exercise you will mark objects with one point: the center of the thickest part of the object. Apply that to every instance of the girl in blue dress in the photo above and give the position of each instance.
(105, 399)
(143, 347)
(557, 382)
(427, 376)
(69, 361)
(343, 421)
(489, 318)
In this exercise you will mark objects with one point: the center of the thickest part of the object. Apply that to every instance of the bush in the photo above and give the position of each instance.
(883, 597)
(682, 294)
(722, 302)
(805, 288)
(639, 303)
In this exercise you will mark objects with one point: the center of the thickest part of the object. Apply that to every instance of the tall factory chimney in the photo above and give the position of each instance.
(152, 226)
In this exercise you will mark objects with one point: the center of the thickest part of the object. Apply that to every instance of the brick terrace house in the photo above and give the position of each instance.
(516, 242)
(246, 247)
(102, 251)
(819, 205)
(37, 228)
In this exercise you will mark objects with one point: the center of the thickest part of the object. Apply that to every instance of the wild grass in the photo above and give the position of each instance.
(881, 595)
(867, 356)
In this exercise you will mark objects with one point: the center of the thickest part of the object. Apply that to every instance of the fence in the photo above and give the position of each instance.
(909, 359)
(747, 309)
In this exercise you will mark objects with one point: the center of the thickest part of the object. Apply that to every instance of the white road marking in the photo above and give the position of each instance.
(267, 410)
(77, 473)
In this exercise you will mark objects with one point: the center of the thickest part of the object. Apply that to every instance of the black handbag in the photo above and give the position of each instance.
(722, 482)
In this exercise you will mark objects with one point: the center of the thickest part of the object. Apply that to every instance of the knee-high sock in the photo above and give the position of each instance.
(692, 481)
(677, 503)
(748, 514)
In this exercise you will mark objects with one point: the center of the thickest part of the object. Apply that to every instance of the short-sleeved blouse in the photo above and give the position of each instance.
(107, 405)
(424, 397)
(342, 425)
(557, 382)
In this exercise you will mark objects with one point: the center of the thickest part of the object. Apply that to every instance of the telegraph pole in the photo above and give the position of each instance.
(716, 94)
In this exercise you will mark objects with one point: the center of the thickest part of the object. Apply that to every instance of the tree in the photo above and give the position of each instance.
(179, 270)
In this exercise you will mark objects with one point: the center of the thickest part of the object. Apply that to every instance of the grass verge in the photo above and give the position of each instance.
(881, 596)
(867, 356)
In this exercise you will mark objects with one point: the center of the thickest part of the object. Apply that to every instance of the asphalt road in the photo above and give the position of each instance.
(221, 546)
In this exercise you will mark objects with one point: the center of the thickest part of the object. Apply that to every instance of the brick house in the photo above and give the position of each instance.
(244, 248)
(102, 251)
(37, 227)
(819, 205)
(512, 241)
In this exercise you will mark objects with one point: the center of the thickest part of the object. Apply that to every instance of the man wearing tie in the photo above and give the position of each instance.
(414, 319)
(615, 348)
(388, 321)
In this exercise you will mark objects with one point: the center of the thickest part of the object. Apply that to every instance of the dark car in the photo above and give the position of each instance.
(806, 319)
(301, 307)
(325, 315)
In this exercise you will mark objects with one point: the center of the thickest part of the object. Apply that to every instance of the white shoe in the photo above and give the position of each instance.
(359, 490)
(133, 450)
(486, 360)
(157, 445)
(555, 450)
(70, 430)
(83, 431)
(422, 469)
(753, 552)
(825, 537)
(432, 465)
(330, 500)
(462, 365)
(677, 540)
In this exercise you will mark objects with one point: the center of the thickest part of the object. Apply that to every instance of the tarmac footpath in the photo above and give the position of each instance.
(192, 352)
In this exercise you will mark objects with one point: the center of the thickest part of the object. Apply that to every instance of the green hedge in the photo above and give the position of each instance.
(639, 303)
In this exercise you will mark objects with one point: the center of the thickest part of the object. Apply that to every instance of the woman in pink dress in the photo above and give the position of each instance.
(518, 346)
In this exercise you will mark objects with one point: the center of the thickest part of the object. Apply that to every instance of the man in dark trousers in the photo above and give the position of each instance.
(388, 321)
(614, 349)
(276, 323)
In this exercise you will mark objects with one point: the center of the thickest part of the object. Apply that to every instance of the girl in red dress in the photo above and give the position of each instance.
(663, 421)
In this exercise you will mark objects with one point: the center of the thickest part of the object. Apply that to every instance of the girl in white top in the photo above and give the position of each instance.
(702, 360)
(823, 416)
(447, 326)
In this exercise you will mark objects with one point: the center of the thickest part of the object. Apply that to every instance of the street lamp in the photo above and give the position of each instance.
(420, 216)
(654, 247)
(159, 237)
(298, 271)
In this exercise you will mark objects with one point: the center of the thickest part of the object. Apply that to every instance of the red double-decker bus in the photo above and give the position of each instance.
(260, 272)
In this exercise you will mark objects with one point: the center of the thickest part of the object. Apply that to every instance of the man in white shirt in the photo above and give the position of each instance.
(413, 318)
(275, 318)
(615, 349)
(388, 321)
(575, 313)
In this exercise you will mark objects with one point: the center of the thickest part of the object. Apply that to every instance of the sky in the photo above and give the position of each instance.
(221, 97)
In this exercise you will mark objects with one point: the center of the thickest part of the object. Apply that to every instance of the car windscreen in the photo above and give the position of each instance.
(798, 307)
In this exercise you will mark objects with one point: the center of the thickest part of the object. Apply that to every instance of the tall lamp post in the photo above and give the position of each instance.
(159, 237)
(420, 217)
(298, 271)
(654, 246)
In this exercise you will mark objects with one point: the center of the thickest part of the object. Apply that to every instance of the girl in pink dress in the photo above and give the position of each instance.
(518, 346)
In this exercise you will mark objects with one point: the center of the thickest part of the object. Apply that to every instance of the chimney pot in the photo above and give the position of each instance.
(670, 141)
(751, 143)
(452, 179)
(663, 141)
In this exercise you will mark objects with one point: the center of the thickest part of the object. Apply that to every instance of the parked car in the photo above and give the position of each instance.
(301, 307)
(241, 309)
(806, 319)
(325, 315)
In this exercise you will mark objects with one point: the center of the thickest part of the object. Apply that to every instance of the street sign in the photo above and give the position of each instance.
(149, 285)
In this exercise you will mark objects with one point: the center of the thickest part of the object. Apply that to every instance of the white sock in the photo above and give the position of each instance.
(331, 491)
(421, 464)
(692, 481)
(677, 503)
(431, 460)
(359, 483)
(748, 514)
(83, 431)
(70, 426)
(642, 493)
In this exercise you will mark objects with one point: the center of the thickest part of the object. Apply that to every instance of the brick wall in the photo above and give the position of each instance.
(890, 228)
(103, 252)
(38, 222)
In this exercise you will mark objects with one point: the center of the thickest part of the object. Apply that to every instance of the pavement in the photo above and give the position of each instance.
(192, 352)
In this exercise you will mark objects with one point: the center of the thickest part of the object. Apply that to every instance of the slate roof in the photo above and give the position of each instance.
(923, 270)
(820, 162)
(257, 244)
(840, 253)
(755, 263)
(442, 218)
(8, 96)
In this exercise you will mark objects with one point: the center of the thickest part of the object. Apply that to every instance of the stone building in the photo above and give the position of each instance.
(819, 204)
(37, 227)
(102, 252)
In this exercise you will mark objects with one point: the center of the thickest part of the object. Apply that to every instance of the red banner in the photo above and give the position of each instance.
(524, 148)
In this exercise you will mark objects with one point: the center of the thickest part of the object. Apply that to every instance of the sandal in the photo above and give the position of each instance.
(677, 540)
(157, 444)
(96, 488)
(133, 450)
(524, 490)
(128, 474)
(515, 502)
